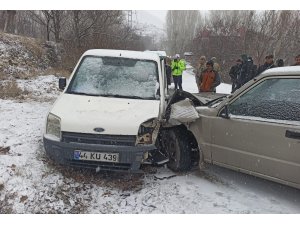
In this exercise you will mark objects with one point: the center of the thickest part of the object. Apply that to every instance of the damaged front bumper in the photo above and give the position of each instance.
(130, 158)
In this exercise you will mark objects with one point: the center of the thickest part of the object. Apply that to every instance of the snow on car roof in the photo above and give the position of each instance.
(285, 70)
(160, 53)
(122, 53)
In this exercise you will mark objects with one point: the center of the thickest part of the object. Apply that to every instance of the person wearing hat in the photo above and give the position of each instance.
(279, 63)
(269, 63)
(209, 78)
(247, 72)
(177, 66)
(233, 73)
(200, 68)
(216, 65)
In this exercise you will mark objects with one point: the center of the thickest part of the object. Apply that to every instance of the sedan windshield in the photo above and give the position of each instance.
(116, 77)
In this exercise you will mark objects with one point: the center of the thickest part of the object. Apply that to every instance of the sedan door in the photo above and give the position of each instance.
(262, 135)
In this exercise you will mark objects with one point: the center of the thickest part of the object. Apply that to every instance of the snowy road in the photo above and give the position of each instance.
(30, 183)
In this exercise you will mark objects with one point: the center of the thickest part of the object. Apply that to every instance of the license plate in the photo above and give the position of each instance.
(96, 156)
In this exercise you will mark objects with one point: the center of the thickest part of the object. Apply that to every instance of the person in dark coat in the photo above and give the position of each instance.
(233, 73)
(279, 63)
(168, 71)
(269, 63)
(247, 71)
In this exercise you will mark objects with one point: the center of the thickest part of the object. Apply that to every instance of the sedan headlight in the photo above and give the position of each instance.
(53, 125)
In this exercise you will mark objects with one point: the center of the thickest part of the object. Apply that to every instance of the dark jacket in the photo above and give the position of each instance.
(168, 73)
(246, 73)
(264, 67)
(233, 73)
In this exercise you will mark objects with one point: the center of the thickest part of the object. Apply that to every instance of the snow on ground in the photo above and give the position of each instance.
(30, 183)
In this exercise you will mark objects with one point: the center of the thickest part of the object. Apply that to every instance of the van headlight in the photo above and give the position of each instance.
(53, 125)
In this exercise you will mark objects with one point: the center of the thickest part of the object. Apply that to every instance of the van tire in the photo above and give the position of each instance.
(178, 150)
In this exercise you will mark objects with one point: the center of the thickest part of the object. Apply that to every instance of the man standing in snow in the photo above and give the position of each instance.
(247, 71)
(269, 63)
(216, 65)
(279, 63)
(177, 67)
(233, 73)
(168, 71)
(209, 78)
(201, 67)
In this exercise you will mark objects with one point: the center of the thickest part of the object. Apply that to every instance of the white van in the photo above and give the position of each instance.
(109, 115)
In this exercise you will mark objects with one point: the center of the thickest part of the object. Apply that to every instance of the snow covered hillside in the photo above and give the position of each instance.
(31, 183)
(23, 56)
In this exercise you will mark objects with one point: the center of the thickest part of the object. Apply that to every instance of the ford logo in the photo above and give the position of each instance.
(98, 129)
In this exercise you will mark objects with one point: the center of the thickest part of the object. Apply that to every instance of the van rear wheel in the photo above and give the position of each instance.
(178, 149)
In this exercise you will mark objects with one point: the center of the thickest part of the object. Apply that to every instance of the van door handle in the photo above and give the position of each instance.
(292, 134)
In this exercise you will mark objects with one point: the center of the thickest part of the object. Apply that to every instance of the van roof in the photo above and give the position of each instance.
(122, 54)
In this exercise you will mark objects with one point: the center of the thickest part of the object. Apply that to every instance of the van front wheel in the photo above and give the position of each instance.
(179, 150)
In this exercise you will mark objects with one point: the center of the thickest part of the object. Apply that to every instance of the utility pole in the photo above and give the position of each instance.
(129, 15)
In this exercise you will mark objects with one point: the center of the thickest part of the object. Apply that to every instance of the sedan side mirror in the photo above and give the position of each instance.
(62, 83)
(224, 113)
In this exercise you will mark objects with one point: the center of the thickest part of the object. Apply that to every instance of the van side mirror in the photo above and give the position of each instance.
(225, 113)
(62, 83)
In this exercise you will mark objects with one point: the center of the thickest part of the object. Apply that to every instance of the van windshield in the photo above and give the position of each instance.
(116, 77)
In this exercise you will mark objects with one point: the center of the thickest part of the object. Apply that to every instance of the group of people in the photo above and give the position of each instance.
(207, 75)
(207, 72)
(244, 69)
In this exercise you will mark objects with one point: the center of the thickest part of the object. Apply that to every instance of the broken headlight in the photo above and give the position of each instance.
(145, 135)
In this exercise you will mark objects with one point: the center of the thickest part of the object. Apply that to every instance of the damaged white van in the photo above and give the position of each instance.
(110, 113)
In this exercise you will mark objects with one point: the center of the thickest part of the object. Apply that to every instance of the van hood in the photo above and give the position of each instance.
(117, 116)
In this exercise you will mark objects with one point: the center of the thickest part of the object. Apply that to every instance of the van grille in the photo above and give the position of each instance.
(100, 165)
(102, 139)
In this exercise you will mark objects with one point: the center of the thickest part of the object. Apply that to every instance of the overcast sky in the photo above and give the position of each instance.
(155, 17)
(154, 4)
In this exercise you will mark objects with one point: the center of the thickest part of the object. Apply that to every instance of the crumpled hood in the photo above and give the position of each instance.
(205, 97)
(120, 116)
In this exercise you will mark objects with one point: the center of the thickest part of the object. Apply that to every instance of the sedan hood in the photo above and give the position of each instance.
(206, 97)
(117, 116)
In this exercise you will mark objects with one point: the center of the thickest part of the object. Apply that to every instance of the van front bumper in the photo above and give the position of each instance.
(130, 157)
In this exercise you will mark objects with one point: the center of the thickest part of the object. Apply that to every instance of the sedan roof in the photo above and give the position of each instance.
(286, 70)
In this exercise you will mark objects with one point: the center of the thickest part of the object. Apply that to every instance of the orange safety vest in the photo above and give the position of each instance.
(208, 78)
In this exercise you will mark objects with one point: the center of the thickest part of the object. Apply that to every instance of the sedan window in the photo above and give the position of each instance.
(277, 99)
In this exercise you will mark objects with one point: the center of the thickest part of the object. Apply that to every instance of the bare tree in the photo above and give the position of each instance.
(10, 21)
(181, 29)
(44, 19)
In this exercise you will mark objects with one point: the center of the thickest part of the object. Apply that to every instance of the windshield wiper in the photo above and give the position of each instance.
(114, 96)
(123, 96)
(80, 93)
